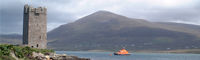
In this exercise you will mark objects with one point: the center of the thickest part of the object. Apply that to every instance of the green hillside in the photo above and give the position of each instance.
(108, 31)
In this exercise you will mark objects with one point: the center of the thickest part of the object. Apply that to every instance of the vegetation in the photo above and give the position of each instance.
(6, 58)
(19, 51)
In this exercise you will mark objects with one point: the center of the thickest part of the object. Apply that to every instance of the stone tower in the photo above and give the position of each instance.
(34, 27)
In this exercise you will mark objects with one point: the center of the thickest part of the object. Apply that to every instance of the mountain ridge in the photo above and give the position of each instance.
(106, 30)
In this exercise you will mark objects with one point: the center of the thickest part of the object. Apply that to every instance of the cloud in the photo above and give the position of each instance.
(11, 17)
(65, 11)
(12, 14)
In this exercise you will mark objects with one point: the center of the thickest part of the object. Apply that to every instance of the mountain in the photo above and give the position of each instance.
(10, 39)
(193, 28)
(104, 30)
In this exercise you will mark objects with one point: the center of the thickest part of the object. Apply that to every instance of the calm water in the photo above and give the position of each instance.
(134, 56)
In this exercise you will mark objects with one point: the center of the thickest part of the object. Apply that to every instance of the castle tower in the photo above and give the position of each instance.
(34, 27)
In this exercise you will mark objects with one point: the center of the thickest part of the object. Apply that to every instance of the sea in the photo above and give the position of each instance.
(133, 56)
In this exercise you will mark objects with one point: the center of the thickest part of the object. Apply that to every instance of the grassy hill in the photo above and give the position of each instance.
(10, 39)
(108, 31)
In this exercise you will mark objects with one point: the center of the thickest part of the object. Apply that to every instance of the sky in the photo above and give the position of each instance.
(67, 11)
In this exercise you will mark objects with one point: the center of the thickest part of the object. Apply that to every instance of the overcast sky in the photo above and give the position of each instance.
(66, 11)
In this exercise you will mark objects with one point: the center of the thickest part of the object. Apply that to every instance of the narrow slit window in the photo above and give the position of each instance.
(37, 14)
(37, 45)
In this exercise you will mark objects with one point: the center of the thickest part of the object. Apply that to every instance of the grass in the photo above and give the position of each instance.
(19, 51)
(7, 58)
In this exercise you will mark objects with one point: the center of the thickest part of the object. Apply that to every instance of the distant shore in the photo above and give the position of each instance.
(189, 51)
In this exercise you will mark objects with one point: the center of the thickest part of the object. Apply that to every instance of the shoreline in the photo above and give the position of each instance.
(14, 52)
(178, 51)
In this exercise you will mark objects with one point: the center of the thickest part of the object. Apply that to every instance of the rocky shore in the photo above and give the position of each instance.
(54, 56)
(12, 52)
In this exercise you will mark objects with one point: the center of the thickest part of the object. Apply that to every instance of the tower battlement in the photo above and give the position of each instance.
(40, 10)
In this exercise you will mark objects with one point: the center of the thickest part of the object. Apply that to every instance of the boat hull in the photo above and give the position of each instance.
(122, 54)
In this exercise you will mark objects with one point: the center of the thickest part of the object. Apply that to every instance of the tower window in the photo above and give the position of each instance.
(40, 37)
(37, 14)
(37, 45)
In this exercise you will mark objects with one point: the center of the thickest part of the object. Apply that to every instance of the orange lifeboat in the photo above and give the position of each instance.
(122, 52)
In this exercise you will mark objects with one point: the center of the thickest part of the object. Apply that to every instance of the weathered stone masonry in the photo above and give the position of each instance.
(34, 27)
